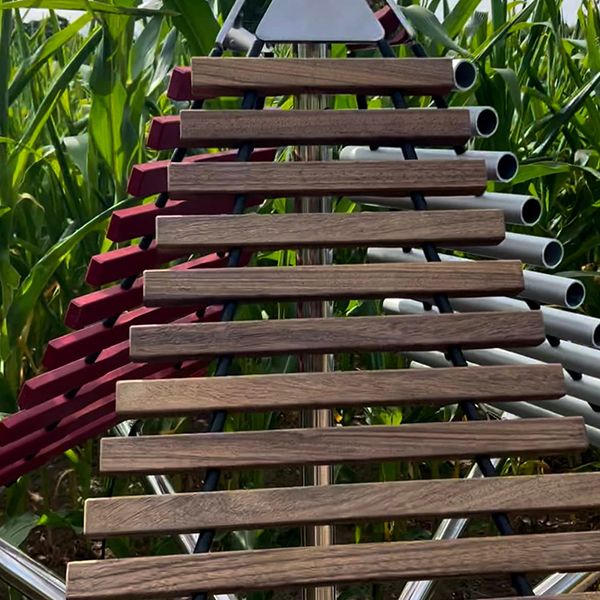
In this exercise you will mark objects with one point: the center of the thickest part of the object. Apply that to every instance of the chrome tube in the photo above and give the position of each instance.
(484, 120)
(465, 72)
(500, 166)
(518, 209)
(448, 529)
(539, 287)
(531, 249)
(29, 577)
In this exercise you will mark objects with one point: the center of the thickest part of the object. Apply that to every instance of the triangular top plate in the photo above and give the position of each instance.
(350, 21)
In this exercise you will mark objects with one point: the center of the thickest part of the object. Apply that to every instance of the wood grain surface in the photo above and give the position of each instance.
(137, 578)
(387, 178)
(245, 509)
(168, 453)
(354, 334)
(218, 128)
(272, 77)
(219, 232)
(190, 288)
(162, 397)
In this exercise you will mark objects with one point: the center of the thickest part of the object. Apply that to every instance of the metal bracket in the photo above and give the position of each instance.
(319, 21)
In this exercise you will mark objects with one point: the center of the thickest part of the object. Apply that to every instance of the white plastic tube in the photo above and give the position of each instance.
(539, 287)
(573, 357)
(567, 406)
(500, 166)
(518, 209)
(531, 249)
(574, 327)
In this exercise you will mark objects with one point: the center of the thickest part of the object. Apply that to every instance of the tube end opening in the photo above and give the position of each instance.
(531, 211)
(575, 295)
(596, 336)
(553, 254)
(507, 167)
(486, 122)
(465, 74)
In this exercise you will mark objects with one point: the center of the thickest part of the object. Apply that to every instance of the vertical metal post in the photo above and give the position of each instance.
(322, 474)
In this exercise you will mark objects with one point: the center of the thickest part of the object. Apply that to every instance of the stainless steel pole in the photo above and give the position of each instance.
(321, 535)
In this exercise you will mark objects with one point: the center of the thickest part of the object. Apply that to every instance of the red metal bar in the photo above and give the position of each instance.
(164, 133)
(180, 84)
(11, 472)
(37, 448)
(72, 375)
(15, 427)
(96, 337)
(125, 262)
(151, 178)
(114, 300)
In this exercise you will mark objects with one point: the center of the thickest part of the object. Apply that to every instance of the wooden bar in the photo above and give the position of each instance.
(145, 399)
(220, 128)
(371, 334)
(246, 509)
(260, 449)
(436, 177)
(305, 230)
(234, 76)
(313, 282)
(221, 572)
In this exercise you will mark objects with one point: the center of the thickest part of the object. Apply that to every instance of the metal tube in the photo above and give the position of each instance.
(484, 120)
(500, 166)
(574, 327)
(531, 249)
(465, 72)
(518, 209)
(539, 287)
(532, 411)
(321, 535)
(29, 577)
(573, 357)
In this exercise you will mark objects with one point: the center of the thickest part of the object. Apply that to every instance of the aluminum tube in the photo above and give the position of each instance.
(239, 39)
(317, 475)
(574, 357)
(500, 166)
(161, 485)
(568, 406)
(484, 120)
(29, 577)
(518, 209)
(552, 289)
(465, 72)
(448, 529)
(574, 327)
(563, 583)
(539, 287)
(557, 583)
(587, 388)
(532, 411)
(531, 249)
(230, 21)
